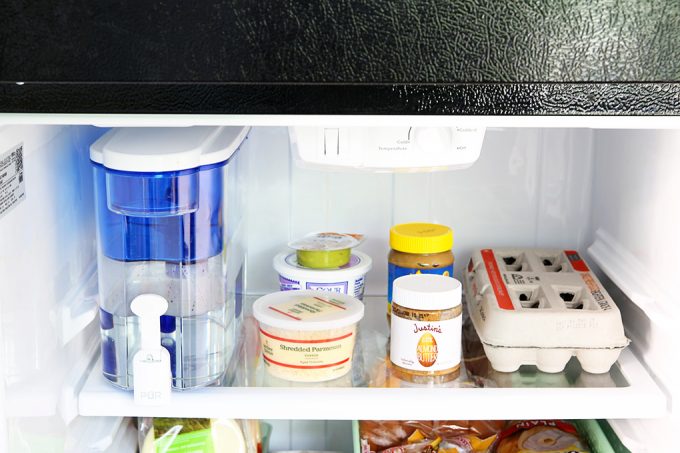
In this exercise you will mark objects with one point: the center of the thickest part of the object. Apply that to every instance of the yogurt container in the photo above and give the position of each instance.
(307, 336)
(348, 279)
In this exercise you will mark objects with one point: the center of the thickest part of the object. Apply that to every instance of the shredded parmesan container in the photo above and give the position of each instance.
(308, 336)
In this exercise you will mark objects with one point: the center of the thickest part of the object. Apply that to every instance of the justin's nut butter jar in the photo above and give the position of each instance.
(418, 248)
(425, 343)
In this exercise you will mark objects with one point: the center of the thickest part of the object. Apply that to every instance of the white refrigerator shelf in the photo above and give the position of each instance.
(642, 399)
(628, 392)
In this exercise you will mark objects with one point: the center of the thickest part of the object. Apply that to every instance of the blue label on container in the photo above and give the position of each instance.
(286, 284)
(394, 272)
(337, 287)
(359, 288)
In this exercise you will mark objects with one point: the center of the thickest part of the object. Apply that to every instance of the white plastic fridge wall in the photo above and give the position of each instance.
(530, 187)
(47, 288)
(634, 238)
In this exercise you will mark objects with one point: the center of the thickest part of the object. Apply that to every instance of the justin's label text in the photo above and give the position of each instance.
(428, 327)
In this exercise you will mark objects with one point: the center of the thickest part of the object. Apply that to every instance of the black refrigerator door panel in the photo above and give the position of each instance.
(341, 57)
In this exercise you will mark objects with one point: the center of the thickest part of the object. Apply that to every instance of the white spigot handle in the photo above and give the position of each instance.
(151, 364)
(149, 308)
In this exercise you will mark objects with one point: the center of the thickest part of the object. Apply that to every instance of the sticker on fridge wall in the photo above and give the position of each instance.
(12, 190)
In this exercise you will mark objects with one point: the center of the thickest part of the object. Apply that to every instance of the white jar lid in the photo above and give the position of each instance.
(427, 292)
(280, 310)
(286, 264)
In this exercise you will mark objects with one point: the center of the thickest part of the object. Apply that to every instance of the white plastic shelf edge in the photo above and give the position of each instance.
(642, 399)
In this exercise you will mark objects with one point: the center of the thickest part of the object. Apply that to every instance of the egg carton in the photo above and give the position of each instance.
(541, 307)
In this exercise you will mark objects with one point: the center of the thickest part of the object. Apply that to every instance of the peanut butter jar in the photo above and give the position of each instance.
(418, 248)
(425, 341)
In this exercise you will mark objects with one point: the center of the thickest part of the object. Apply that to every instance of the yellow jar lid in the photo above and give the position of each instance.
(421, 238)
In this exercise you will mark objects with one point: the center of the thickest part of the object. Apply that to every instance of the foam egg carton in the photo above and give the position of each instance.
(541, 307)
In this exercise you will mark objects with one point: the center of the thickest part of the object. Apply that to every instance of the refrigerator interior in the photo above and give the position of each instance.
(609, 193)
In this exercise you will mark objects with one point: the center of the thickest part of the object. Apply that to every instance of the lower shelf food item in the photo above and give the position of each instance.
(537, 436)
(196, 435)
(347, 279)
(541, 307)
(446, 436)
(308, 336)
(425, 341)
(463, 436)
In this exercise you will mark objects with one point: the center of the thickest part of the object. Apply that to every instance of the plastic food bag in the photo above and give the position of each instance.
(198, 435)
(449, 436)
(540, 436)
(462, 436)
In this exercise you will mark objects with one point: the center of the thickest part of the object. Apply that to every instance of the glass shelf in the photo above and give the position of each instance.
(369, 391)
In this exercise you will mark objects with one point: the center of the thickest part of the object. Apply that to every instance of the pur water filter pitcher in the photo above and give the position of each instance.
(160, 229)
